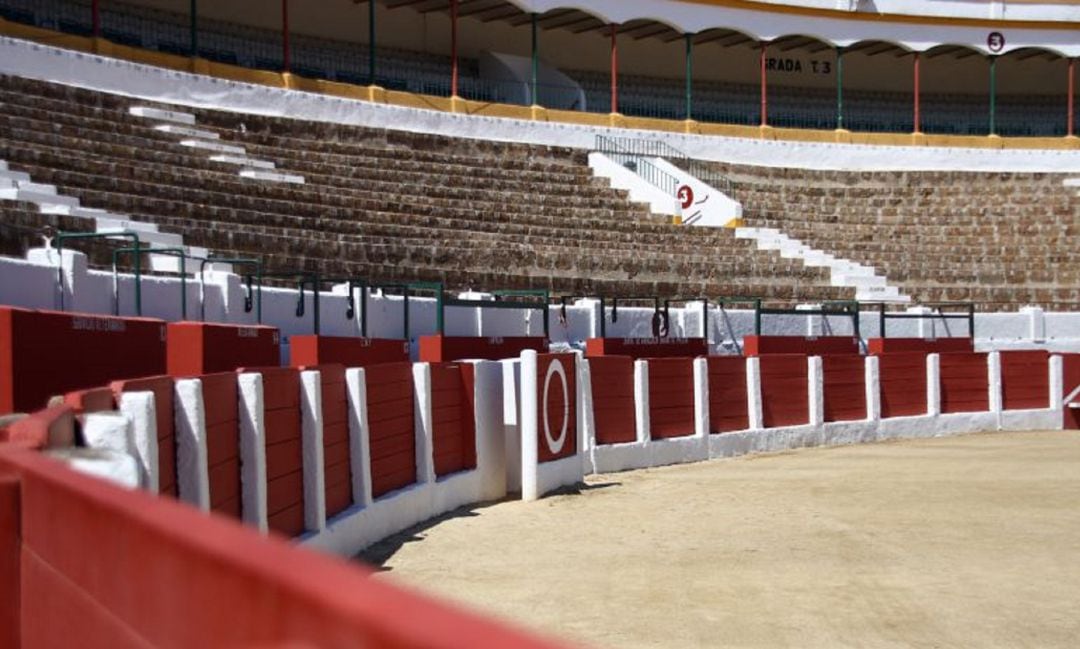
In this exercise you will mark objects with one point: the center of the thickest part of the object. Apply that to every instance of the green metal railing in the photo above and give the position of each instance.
(500, 302)
(61, 237)
(646, 148)
(849, 309)
(137, 250)
(638, 164)
(968, 315)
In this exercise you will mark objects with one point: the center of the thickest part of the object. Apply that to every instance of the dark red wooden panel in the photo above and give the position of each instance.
(844, 385)
(391, 426)
(453, 418)
(557, 416)
(902, 383)
(784, 397)
(923, 345)
(441, 349)
(964, 382)
(612, 382)
(91, 400)
(284, 449)
(337, 467)
(1025, 380)
(220, 401)
(646, 347)
(203, 348)
(309, 351)
(807, 345)
(728, 407)
(163, 389)
(671, 397)
(1071, 370)
(10, 548)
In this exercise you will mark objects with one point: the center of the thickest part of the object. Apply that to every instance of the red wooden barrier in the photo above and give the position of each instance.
(222, 442)
(92, 400)
(453, 418)
(844, 379)
(178, 578)
(902, 384)
(336, 459)
(556, 400)
(807, 345)
(391, 426)
(728, 408)
(612, 382)
(91, 349)
(1025, 379)
(784, 397)
(284, 450)
(646, 347)
(201, 348)
(924, 345)
(1071, 371)
(163, 389)
(964, 383)
(671, 397)
(309, 351)
(442, 349)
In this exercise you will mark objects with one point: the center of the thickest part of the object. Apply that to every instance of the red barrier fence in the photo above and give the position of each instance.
(202, 348)
(1025, 380)
(902, 384)
(844, 385)
(1071, 371)
(923, 345)
(51, 353)
(442, 349)
(556, 401)
(284, 449)
(391, 426)
(728, 407)
(964, 383)
(337, 469)
(671, 397)
(309, 351)
(612, 381)
(453, 419)
(163, 389)
(808, 345)
(785, 397)
(162, 574)
(220, 402)
(646, 347)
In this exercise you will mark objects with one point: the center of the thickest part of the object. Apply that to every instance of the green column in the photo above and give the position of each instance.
(194, 28)
(689, 76)
(993, 94)
(371, 43)
(839, 87)
(535, 61)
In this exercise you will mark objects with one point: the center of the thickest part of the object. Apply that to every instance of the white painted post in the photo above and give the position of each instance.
(140, 408)
(933, 384)
(993, 375)
(1057, 386)
(359, 440)
(816, 385)
(641, 401)
(490, 433)
(529, 426)
(701, 398)
(1036, 323)
(192, 470)
(311, 416)
(586, 414)
(252, 451)
(872, 380)
(423, 425)
(753, 393)
(108, 431)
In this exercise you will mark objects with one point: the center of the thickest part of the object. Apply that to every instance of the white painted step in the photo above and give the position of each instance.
(858, 281)
(48, 202)
(187, 131)
(215, 146)
(14, 176)
(243, 161)
(1071, 182)
(156, 239)
(112, 222)
(882, 294)
(162, 115)
(272, 176)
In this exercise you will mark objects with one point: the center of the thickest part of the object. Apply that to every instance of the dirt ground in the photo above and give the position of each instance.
(968, 541)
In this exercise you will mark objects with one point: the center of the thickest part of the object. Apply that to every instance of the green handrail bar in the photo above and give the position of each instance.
(704, 311)
(248, 261)
(528, 292)
(847, 307)
(498, 303)
(305, 277)
(350, 310)
(171, 252)
(62, 236)
(968, 315)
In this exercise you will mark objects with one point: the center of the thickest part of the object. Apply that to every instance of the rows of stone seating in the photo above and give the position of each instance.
(1004, 239)
(381, 204)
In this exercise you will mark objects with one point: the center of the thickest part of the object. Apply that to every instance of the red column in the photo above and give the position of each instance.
(614, 71)
(1072, 110)
(453, 48)
(918, 126)
(285, 35)
(764, 89)
(95, 17)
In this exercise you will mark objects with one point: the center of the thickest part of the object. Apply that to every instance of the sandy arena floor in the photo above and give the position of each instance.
(959, 542)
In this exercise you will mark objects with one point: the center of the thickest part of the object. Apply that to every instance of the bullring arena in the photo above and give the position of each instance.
(535, 323)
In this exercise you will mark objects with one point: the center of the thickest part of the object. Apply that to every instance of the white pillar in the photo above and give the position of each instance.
(1057, 385)
(529, 426)
(192, 470)
(490, 433)
(872, 380)
(754, 412)
(701, 398)
(933, 384)
(140, 408)
(641, 401)
(815, 384)
(311, 416)
(423, 425)
(252, 451)
(993, 375)
(1036, 323)
(359, 440)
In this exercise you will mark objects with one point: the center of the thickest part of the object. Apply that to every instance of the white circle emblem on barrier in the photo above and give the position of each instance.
(556, 445)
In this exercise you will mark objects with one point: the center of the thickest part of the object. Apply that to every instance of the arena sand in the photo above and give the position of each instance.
(969, 541)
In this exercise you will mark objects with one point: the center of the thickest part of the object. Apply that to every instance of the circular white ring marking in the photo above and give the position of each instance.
(556, 445)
